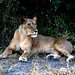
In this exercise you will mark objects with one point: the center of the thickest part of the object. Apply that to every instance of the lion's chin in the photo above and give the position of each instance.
(34, 36)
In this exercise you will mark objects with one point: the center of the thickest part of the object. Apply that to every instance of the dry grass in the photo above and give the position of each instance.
(46, 69)
(38, 67)
(49, 71)
(1, 69)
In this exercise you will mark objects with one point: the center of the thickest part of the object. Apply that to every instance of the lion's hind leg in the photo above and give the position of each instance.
(64, 47)
(66, 53)
(70, 58)
(53, 54)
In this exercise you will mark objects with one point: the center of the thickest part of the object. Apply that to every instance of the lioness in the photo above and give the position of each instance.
(27, 39)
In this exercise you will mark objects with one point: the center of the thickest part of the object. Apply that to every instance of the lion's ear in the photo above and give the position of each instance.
(35, 18)
(22, 20)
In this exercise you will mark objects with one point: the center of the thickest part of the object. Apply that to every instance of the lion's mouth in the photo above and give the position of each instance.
(34, 35)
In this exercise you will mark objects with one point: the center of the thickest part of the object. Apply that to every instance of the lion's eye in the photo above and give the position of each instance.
(29, 24)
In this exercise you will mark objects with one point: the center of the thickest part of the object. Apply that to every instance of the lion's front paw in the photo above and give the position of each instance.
(24, 59)
(70, 58)
(3, 56)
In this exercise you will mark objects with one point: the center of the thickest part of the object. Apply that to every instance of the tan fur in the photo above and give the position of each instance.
(26, 39)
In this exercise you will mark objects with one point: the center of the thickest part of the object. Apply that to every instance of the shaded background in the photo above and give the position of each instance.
(56, 18)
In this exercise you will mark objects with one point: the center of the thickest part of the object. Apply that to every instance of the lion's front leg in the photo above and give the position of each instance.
(6, 53)
(23, 57)
(12, 47)
(26, 48)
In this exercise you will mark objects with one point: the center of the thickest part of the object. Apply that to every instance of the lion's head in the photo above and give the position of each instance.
(29, 26)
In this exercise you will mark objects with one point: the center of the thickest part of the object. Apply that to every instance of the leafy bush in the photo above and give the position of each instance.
(55, 17)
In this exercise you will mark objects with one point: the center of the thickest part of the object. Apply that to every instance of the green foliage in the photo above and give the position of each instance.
(55, 17)
(1, 1)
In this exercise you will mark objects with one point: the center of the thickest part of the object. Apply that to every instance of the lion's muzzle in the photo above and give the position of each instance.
(34, 34)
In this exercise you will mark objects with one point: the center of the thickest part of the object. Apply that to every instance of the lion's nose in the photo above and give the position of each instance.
(36, 31)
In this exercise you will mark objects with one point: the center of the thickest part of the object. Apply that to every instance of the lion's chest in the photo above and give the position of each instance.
(25, 43)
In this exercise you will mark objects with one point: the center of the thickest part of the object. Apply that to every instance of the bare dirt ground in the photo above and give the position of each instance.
(36, 66)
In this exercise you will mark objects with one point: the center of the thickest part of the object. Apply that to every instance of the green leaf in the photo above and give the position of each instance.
(41, 12)
(1, 1)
